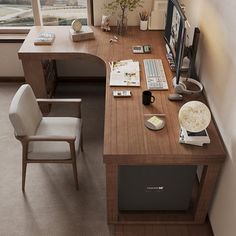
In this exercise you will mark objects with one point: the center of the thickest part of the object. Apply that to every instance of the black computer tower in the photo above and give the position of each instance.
(155, 188)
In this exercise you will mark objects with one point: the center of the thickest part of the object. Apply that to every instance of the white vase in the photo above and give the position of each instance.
(143, 25)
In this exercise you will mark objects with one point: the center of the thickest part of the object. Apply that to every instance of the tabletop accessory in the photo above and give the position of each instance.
(125, 73)
(76, 25)
(154, 121)
(143, 20)
(44, 38)
(148, 98)
(194, 118)
(105, 24)
(84, 34)
(121, 7)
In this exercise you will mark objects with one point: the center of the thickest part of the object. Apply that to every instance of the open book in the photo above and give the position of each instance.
(44, 38)
(125, 73)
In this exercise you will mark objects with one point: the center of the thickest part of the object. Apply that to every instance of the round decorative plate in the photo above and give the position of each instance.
(156, 124)
(76, 25)
(194, 116)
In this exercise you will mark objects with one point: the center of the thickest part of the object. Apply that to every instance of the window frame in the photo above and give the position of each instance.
(38, 21)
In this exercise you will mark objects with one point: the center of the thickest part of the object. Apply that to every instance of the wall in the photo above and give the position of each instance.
(133, 17)
(10, 65)
(217, 69)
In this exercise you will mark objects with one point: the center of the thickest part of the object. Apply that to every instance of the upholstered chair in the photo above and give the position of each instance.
(45, 139)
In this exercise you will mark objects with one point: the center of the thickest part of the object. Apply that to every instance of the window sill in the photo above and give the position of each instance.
(14, 30)
(13, 34)
(12, 38)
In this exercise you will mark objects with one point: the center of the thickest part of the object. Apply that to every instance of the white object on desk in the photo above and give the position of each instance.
(76, 25)
(194, 118)
(84, 34)
(157, 17)
(197, 139)
(125, 73)
(154, 122)
(143, 24)
(121, 93)
(155, 74)
(44, 38)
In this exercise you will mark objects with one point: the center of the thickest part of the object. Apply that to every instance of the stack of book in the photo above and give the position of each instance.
(84, 34)
(44, 38)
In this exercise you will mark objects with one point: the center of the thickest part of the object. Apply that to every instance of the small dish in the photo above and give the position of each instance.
(154, 122)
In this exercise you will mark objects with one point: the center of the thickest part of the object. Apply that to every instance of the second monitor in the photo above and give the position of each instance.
(175, 37)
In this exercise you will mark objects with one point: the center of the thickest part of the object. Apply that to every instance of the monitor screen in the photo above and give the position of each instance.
(175, 33)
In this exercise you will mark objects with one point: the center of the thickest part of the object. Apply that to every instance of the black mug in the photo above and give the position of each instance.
(148, 98)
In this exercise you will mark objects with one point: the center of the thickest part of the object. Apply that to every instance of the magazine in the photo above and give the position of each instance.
(125, 73)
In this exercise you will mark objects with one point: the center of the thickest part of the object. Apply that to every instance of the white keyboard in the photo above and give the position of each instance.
(155, 74)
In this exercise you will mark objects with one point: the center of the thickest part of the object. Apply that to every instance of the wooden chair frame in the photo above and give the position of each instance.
(69, 139)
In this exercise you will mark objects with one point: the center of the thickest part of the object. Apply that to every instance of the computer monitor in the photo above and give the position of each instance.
(175, 36)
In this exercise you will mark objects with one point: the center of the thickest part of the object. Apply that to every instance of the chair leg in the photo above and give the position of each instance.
(73, 157)
(81, 143)
(75, 175)
(24, 166)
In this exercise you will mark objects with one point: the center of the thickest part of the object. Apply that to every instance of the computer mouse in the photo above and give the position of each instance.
(175, 97)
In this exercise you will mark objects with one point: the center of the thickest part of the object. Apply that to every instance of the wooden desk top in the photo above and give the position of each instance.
(126, 139)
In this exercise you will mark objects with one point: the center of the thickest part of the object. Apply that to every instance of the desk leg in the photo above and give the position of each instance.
(207, 187)
(112, 192)
(34, 76)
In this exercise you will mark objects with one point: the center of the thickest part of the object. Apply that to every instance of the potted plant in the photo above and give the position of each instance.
(123, 6)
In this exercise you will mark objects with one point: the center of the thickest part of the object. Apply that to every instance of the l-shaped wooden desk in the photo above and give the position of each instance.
(126, 140)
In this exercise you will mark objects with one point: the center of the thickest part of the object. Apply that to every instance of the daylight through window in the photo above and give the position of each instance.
(16, 13)
(54, 12)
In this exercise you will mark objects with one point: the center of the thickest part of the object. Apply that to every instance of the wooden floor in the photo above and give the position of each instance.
(164, 230)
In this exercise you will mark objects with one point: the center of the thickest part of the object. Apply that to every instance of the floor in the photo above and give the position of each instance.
(51, 205)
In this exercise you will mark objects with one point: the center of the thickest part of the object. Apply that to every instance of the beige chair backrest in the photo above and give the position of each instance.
(24, 112)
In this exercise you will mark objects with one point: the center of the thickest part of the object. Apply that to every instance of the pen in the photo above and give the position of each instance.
(111, 65)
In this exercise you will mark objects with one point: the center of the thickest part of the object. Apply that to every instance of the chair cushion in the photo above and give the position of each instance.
(24, 112)
(60, 126)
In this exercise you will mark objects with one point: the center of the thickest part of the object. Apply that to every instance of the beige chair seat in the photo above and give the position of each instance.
(58, 126)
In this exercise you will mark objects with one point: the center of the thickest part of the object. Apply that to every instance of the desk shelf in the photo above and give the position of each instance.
(50, 75)
(162, 217)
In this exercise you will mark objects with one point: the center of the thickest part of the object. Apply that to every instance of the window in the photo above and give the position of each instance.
(63, 12)
(16, 13)
(54, 12)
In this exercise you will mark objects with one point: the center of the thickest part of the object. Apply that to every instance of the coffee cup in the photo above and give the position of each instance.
(148, 98)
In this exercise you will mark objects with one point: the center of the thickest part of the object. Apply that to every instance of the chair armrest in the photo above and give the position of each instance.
(59, 100)
(62, 100)
(50, 138)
